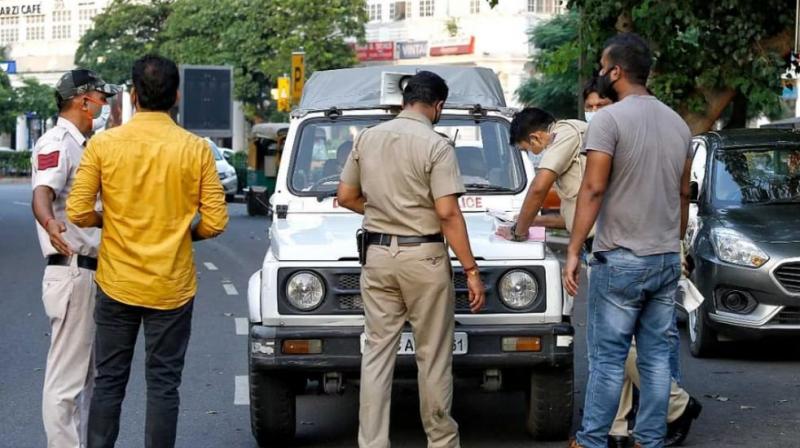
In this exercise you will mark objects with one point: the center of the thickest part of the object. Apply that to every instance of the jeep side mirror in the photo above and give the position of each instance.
(694, 192)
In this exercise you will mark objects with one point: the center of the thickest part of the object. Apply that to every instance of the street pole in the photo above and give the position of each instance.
(581, 64)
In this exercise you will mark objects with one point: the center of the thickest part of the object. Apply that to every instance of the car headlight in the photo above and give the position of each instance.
(518, 289)
(735, 248)
(305, 291)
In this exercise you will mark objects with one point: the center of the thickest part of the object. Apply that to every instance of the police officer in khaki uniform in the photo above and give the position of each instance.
(68, 288)
(562, 165)
(404, 178)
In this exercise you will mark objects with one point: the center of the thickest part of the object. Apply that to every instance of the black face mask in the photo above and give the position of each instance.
(605, 86)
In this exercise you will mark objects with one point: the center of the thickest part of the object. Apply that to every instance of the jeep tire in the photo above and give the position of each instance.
(549, 402)
(272, 408)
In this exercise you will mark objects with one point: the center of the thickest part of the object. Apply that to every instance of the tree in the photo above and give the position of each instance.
(34, 97)
(709, 55)
(556, 63)
(125, 31)
(258, 37)
(8, 105)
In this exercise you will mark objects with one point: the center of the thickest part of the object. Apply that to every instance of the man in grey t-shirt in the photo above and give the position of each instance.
(636, 186)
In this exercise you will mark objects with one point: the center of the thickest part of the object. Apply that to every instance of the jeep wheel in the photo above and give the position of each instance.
(272, 409)
(703, 340)
(549, 403)
(256, 204)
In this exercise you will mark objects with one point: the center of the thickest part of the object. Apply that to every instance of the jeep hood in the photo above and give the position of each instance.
(331, 237)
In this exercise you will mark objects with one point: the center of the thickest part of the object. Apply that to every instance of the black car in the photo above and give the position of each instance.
(744, 236)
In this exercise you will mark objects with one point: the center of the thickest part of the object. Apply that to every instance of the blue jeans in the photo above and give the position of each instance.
(629, 296)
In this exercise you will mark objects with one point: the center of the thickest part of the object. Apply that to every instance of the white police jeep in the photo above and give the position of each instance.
(306, 313)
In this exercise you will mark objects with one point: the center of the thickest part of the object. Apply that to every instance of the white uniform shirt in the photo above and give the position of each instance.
(54, 161)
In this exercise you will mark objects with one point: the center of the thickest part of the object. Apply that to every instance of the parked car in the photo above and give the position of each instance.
(744, 236)
(306, 312)
(227, 174)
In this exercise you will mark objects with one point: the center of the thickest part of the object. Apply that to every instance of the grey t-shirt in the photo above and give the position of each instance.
(650, 144)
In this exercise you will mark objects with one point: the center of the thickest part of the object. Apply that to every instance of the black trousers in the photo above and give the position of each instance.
(166, 335)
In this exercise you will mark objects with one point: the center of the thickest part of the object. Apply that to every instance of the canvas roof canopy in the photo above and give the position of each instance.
(360, 88)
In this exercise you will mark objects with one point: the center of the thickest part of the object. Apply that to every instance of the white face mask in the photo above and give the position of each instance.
(589, 115)
(100, 122)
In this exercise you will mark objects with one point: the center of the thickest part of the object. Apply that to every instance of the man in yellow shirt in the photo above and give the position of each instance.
(153, 178)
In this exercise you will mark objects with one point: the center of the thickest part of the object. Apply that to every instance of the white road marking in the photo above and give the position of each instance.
(230, 289)
(241, 395)
(24, 204)
(242, 326)
(210, 266)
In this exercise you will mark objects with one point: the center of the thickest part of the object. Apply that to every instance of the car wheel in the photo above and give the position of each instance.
(549, 402)
(703, 340)
(272, 408)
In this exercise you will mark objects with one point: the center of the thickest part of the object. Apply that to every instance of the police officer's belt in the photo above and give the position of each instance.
(382, 239)
(62, 260)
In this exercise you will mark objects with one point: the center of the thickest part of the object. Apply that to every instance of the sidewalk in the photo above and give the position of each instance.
(15, 180)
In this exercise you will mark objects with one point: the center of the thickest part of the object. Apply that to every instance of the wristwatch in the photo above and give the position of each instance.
(472, 271)
(515, 237)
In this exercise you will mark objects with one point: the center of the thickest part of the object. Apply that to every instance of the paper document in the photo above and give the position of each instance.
(692, 298)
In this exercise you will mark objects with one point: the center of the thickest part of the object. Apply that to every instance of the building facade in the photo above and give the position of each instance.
(40, 38)
(456, 32)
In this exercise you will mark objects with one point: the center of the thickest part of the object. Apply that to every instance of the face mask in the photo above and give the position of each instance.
(100, 121)
(605, 86)
(589, 115)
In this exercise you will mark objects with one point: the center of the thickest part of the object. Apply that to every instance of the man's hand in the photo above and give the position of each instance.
(55, 229)
(572, 270)
(477, 293)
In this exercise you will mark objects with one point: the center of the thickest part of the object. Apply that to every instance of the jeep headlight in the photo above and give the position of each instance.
(518, 289)
(735, 248)
(305, 290)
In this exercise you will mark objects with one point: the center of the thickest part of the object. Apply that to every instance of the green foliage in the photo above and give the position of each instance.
(36, 98)
(15, 163)
(8, 105)
(556, 62)
(255, 37)
(701, 47)
(125, 31)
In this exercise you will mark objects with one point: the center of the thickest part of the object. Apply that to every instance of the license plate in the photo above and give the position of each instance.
(460, 344)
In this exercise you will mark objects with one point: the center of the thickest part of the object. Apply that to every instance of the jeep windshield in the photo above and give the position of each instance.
(757, 176)
(488, 164)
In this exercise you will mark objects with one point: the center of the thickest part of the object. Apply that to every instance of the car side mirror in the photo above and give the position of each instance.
(227, 156)
(694, 192)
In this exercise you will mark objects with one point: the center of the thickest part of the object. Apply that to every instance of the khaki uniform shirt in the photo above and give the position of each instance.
(55, 160)
(563, 157)
(402, 167)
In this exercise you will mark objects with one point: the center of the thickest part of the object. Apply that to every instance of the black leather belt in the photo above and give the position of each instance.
(62, 260)
(382, 239)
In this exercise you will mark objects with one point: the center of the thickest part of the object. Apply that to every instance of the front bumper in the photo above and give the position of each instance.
(341, 348)
(230, 184)
(775, 312)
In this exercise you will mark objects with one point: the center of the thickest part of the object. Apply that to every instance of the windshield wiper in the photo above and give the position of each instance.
(325, 194)
(487, 187)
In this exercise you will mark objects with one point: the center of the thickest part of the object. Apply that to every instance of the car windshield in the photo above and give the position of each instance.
(757, 176)
(487, 162)
(215, 150)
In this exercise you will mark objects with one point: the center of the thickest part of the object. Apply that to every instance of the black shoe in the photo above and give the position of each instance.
(678, 430)
(619, 442)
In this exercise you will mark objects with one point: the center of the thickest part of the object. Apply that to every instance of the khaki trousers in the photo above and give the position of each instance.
(678, 398)
(68, 293)
(413, 284)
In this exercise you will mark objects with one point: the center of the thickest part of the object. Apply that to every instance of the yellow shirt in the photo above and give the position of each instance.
(153, 178)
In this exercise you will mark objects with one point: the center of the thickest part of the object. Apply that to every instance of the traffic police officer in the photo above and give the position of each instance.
(404, 178)
(68, 288)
